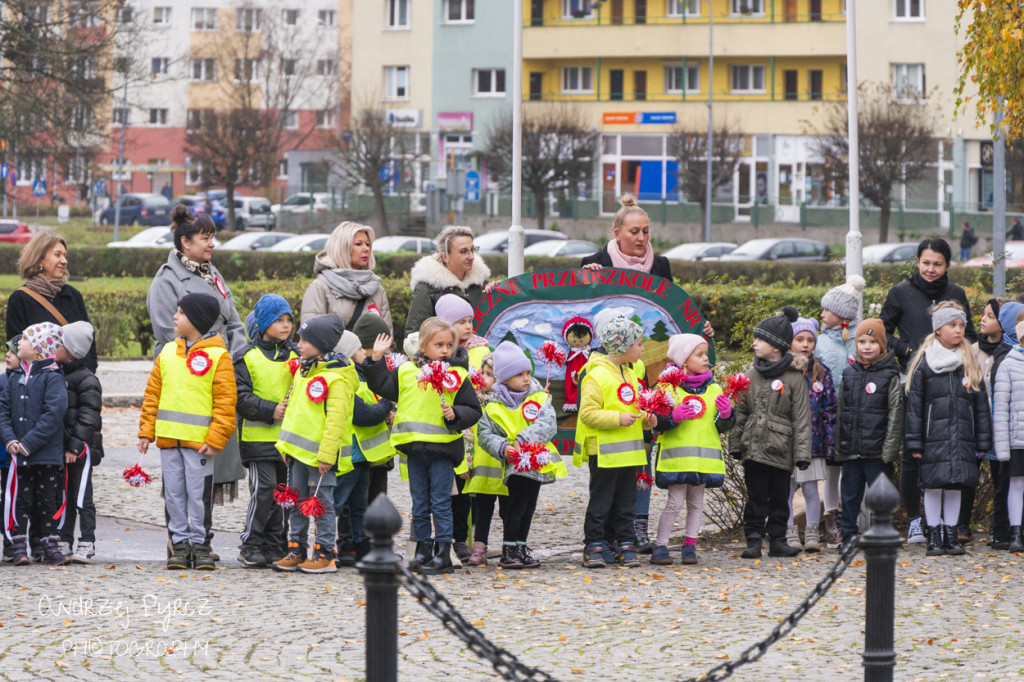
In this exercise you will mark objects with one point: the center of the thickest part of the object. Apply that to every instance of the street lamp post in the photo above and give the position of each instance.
(854, 238)
(516, 238)
(711, 133)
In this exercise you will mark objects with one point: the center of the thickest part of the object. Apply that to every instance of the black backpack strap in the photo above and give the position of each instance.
(356, 313)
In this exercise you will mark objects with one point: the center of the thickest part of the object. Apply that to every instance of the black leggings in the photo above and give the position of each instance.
(910, 487)
(461, 506)
(483, 511)
(39, 494)
(522, 502)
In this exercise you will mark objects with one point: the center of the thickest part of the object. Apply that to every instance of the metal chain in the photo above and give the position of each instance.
(507, 665)
(759, 649)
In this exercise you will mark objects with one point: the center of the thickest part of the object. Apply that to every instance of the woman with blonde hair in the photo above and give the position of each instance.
(455, 268)
(345, 284)
(948, 423)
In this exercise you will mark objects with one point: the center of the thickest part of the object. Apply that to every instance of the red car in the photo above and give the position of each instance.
(13, 232)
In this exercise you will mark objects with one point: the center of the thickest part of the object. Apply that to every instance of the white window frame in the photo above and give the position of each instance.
(755, 7)
(752, 71)
(327, 18)
(292, 14)
(676, 8)
(325, 118)
(327, 67)
(203, 19)
(290, 120)
(493, 92)
(675, 88)
(29, 170)
(121, 116)
(248, 20)
(393, 14)
(82, 117)
(125, 14)
(84, 15)
(282, 169)
(245, 64)
(162, 16)
(567, 9)
(159, 66)
(207, 70)
(584, 77)
(161, 115)
(901, 10)
(393, 84)
(194, 174)
(463, 7)
(285, 63)
(902, 79)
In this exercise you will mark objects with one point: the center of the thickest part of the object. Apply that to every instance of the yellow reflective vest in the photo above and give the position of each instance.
(487, 475)
(513, 423)
(694, 445)
(270, 381)
(619, 447)
(477, 355)
(185, 410)
(310, 429)
(374, 441)
(419, 417)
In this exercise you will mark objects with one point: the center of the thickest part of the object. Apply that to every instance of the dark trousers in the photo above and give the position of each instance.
(462, 504)
(264, 519)
(910, 487)
(39, 492)
(87, 517)
(767, 498)
(378, 483)
(522, 503)
(612, 497)
(1000, 514)
(483, 511)
(858, 474)
(378, 486)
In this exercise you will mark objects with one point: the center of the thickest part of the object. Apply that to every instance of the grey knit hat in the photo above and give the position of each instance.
(78, 338)
(348, 345)
(323, 332)
(778, 329)
(844, 300)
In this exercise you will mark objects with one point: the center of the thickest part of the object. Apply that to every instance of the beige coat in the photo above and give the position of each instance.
(335, 291)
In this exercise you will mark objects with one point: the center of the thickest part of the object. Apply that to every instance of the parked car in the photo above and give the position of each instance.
(496, 241)
(196, 204)
(302, 242)
(399, 243)
(139, 209)
(13, 232)
(304, 202)
(788, 249)
(1014, 257)
(154, 237)
(253, 212)
(878, 254)
(576, 248)
(700, 251)
(255, 241)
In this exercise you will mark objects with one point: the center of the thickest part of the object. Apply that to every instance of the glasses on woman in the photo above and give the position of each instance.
(466, 252)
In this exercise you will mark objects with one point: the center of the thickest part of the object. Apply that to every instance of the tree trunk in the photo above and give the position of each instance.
(538, 198)
(229, 199)
(382, 214)
(883, 222)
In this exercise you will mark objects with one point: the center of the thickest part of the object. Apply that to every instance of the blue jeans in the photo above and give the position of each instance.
(304, 478)
(430, 484)
(858, 474)
(965, 255)
(354, 488)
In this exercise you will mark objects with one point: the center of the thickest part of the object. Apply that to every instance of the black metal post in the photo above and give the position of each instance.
(880, 544)
(379, 569)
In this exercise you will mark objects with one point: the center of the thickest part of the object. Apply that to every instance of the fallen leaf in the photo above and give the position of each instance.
(67, 621)
(478, 623)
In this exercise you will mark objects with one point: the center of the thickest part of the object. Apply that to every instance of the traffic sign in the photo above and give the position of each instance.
(99, 188)
(5, 169)
(472, 186)
(39, 188)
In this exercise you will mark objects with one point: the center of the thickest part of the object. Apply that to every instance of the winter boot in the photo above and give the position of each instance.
(793, 537)
(21, 556)
(753, 550)
(1016, 541)
(321, 562)
(628, 556)
(290, 563)
(478, 557)
(833, 533)
(510, 557)
(951, 541)
(935, 547)
(643, 541)
(812, 543)
(362, 549)
(201, 559)
(52, 556)
(462, 550)
(181, 556)
(593, 555)
(689, 555)
(526, 556)
(442, 561)
(660, 556)
(424, 553)
(777, 547)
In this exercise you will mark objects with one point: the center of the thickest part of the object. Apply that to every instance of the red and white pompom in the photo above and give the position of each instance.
(393, 360)
(671, 375)
(655, 401)
(477, 378)
(434, 375)
(312, 507)
(294, 364)
(286, 496)
(136, 477)
(644, 481)
(529, 457)
(734, 384)
(551, 353)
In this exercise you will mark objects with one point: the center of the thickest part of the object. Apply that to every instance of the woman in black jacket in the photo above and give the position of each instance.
(948, 423)
(906, 312)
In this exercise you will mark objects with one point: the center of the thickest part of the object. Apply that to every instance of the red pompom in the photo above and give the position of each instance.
(671, 375)
(136, 477)
(655, 401)
(312, 506)
(529, 457)
(551, 353)
(735, 384)
(393, 360)
(432, 375)
(294, 364)
(285, 496)
(477, 377)
(644, 480)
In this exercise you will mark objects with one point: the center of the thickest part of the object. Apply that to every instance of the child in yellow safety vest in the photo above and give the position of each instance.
(428, 430)
(315, 439)
(262, 377)
(519, 415)
(689, 453)
(189, 410)
(609, 435)
(486, 484)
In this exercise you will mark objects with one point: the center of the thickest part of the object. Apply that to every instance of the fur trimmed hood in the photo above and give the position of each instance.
(431, 271)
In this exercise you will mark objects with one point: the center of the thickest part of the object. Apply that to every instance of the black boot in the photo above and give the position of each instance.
(935, 547)
(442, 561)
(52, 556)
(1016, 541)
(21, 555)
(951, 543)
(779, 548)
(753, 550)
(510, 557)
(424, 552)
(362, 549)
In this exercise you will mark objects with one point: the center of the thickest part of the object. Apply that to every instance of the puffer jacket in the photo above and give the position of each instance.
(83, 423)
(32, 413)
(906, 312)
(1008, 404)
(251, 406)
(494, 440)
(948, 424)
(869, 424)
(833, 352)
(773, 427)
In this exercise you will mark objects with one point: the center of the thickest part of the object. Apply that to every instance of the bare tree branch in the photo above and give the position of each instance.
(691, 144)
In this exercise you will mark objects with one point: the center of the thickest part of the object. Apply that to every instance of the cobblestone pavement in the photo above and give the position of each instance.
(956, 618)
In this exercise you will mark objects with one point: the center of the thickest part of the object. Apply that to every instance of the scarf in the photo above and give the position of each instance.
(943, 360)
(697, 380)
(350, 284)
(201, 269)
(770, 370)
(989, 347)
(45, 287)
(474, 341)
(511, 399)
(621, 260)
(933, 290)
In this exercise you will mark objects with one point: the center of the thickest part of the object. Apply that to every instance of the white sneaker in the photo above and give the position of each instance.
(914, 533)
(65, 548)
(84, 552)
